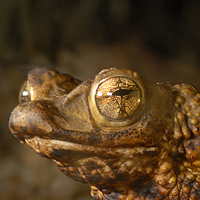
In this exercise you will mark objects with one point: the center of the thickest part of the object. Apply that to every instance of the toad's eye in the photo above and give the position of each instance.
(117, 98)
(24, 94)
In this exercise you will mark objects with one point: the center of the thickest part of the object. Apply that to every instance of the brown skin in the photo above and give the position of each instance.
(126, 137)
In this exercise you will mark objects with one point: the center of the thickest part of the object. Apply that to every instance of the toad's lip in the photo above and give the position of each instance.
(55, 149)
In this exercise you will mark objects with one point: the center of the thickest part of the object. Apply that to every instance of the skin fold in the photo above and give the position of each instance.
(126, 137)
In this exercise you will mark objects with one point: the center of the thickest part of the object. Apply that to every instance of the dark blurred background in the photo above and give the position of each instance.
(160, 39)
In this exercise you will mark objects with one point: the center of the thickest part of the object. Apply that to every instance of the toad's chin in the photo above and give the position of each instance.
(97, 165)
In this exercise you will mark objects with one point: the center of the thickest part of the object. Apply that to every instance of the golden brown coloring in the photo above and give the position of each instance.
(128, 138)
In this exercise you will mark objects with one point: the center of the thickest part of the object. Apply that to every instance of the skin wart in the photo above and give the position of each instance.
(126, 137)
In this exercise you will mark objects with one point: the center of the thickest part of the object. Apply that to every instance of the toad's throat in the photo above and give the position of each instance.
(83, 162)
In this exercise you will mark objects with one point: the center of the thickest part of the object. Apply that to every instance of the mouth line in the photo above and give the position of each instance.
(47, 147)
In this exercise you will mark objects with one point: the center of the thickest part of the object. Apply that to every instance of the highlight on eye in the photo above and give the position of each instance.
(24, 94)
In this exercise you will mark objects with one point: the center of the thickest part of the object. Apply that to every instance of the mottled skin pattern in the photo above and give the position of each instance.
(150, 151)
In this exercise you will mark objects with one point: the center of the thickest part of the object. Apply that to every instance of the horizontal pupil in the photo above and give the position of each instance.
(121, 92)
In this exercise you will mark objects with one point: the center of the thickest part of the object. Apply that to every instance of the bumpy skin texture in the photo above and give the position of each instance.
(142, 142)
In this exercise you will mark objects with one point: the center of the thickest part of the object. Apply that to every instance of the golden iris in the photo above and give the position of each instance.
(118, 97)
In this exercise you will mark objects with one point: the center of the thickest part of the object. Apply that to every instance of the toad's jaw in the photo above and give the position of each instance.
(49, 146)
(107, 165)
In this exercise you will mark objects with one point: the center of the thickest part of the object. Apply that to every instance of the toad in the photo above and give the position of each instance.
(126, 137)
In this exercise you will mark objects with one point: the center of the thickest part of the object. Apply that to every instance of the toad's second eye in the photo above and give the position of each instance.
(24, 94)
(117, 98)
